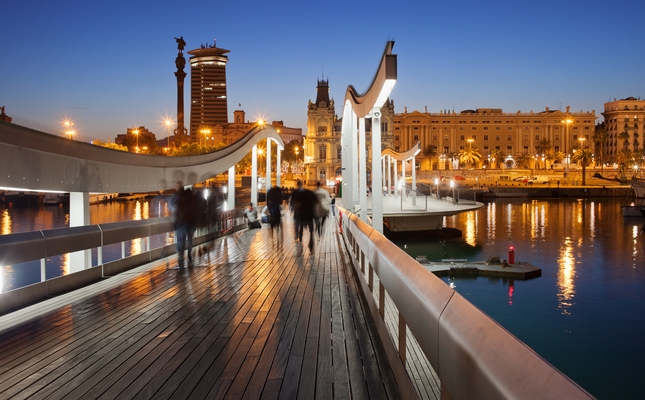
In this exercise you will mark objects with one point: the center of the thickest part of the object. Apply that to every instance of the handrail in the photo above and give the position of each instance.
(473, 356)
(18, 248)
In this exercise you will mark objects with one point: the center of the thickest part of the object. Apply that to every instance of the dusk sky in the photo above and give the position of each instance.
(110, 65)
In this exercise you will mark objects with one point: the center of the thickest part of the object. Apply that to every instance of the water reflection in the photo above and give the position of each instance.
(5, 222)
(566, 276)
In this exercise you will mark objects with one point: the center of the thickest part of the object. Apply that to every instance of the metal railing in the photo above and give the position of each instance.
(19, 248)
(424, 324)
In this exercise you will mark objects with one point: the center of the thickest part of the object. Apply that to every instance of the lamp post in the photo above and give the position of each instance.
(136, 133)
(567, 121)
(168, 124)
(69, 129)
(297, 151)
(205, 132)
(436, 184)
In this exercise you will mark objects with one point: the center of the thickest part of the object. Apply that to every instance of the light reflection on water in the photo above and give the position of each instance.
(586, 313)
(26, 219)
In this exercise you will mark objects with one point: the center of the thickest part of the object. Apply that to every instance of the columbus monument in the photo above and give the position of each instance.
(181, 133)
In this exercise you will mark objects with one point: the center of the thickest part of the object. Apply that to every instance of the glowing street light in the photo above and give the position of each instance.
(136, 133)
(69, 128)
(168, 124)
(205, 132)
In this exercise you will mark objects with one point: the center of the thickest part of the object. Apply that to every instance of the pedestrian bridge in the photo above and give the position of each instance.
(257, 316)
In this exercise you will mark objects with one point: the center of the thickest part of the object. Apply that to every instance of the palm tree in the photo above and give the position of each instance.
(624, 136)
(543, 146)
(496, 156)
(523, 161)
(452, 157)
(558, 156)
(470, 156)
(429, 152)
(600, 136)
(585, 158)
(624, 159)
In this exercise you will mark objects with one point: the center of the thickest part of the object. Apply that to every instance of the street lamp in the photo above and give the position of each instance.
(136, 133)
(168, 124)
(69, 128)
(205, 132)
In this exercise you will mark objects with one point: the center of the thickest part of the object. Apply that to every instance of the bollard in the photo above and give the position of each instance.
(340, 221)
(511, 255)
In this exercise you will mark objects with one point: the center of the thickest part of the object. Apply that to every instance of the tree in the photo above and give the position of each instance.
(470, 156)
(558, 156)
(496, 157)
(624, 136)
(624, 159)
(523, 161)
(600, 136)
(585, 158)
(429, 152)
(543, 146)
(110, 145)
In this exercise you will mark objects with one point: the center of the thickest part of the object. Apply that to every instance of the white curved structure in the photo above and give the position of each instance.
(357, 107)
(37, 161)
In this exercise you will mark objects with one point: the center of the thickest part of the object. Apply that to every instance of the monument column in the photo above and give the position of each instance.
(181, 133)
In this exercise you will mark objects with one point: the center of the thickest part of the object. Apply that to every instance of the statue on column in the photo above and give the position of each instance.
(181, 133)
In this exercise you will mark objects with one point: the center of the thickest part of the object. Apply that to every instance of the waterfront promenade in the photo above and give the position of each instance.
(258, 317)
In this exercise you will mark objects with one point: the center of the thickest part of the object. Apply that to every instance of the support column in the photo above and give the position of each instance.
(230, 196)
(414, 180)
(278, 168)
(268, 166)
(389, 175)
(79, 215)
(362, 170)
(254, 175)
(396, 180)
(403, 187)
(377, 191)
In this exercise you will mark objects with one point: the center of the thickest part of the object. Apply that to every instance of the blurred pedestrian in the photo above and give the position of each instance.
(303, 203)
(274, 203)
(323, 206)
(333, 205)
(182, 205)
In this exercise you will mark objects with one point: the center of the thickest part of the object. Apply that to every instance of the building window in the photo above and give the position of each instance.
(322, 152)
(322, 174)
(396, 138)
(526, 137)
(339, 151)
(485, 137)
(497, 137)
(557, 137)
(509, 138)
(415, 137)
(462, 137)
(434, 137)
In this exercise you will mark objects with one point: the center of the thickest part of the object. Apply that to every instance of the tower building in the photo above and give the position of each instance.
(208, 102)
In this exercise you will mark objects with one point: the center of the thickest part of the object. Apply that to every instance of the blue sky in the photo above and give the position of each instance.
(110, 65)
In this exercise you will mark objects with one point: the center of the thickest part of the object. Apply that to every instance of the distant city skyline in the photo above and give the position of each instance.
(110, 66)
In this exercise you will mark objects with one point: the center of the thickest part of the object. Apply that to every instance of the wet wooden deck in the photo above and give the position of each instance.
(258, 317)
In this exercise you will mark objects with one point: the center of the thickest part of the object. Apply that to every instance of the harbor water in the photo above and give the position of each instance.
(585, 314)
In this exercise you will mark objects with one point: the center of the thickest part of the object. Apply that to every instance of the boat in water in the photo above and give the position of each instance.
(637, 207)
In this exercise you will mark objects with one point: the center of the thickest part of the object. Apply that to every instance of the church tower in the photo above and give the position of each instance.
(322, 141)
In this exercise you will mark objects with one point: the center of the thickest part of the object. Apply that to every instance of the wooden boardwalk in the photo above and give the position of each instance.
(258, 317)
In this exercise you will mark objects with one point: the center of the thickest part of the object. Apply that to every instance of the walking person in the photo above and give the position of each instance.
(182, 205)
(303, 202)
(333, 205)
(323, 206)
(274, 203)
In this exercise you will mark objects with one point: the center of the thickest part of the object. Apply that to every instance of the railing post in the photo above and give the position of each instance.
(43, 269)
(402, 332)
(381, 299)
